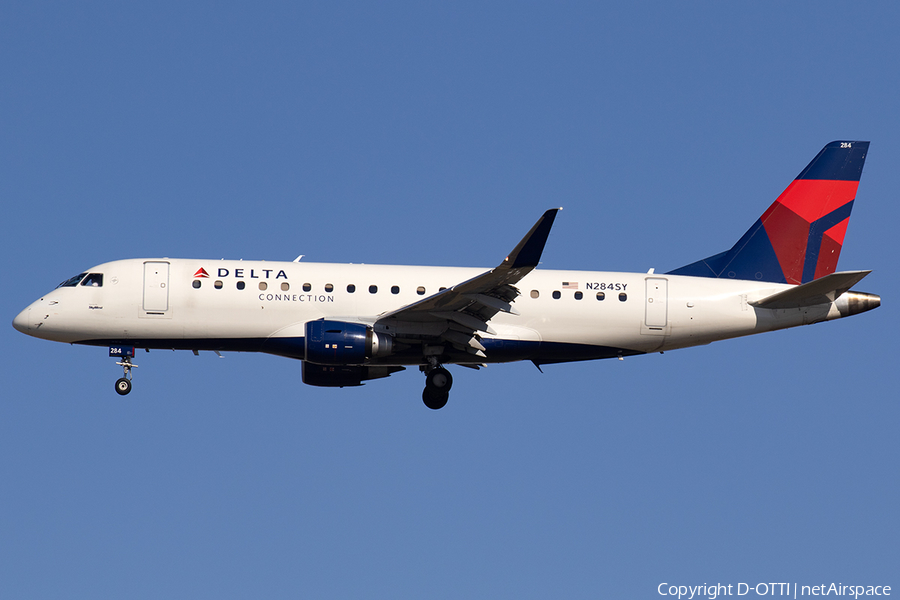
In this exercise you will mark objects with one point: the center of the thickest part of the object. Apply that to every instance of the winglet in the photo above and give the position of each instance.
(527, 254)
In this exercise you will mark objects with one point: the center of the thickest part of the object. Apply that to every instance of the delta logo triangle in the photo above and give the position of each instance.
(201, 272)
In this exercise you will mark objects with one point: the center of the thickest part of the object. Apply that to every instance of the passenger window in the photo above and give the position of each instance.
(329, 288)
(285, 286)
(93, 280)
(263, 285)
(196, 284)
(556, 295)
(623, 297)
(351, 288)
(218, 285)
(395, 289)
(441, 289)
(601, 296)
(73, 281)
(579, 295)
(373, 289)
(240, 285)
(535, 294)
(306, 287)
(420, 290)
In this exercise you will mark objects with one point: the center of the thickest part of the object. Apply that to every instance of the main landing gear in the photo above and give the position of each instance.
(438, 382)
(123, 384)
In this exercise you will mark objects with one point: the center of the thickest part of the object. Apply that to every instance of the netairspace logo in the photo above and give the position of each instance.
(713, 591)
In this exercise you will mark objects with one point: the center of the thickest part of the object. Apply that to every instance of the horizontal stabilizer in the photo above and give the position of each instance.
(820, 291)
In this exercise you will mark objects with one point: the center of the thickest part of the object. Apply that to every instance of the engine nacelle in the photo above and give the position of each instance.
(343, 375)
(340, 343)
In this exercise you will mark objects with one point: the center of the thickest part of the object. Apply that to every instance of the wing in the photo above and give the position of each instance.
(455, 316)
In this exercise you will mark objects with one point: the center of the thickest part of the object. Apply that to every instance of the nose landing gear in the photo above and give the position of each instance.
(123, 384)
(438, 382)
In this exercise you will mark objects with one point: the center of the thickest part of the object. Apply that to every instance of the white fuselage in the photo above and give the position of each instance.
(264, 306)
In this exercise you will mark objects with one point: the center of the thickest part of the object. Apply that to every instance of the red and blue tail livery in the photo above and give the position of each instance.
(799, 238)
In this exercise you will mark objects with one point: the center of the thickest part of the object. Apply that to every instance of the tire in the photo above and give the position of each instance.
(123, 386)
(439, 379)
(435, 399)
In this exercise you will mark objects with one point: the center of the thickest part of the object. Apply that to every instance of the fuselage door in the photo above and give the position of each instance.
(657, 296)
(156, 286)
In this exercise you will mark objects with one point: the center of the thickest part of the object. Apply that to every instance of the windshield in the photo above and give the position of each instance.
(73, 281)
(93, 280)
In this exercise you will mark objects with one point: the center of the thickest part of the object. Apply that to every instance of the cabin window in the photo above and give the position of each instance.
(73, 281)
(306, 287)
(93, 280)
(285, 286)
(579, 295)
(351, 288)
(218, 285)
(395, 289)
(556, 294)
(441, 289)
(623, 297)
(420, 290)
(373, 289)
(329, 288)
(535, 294)
(240, 285)
(601, 296)
(263, 285)
(196, 284)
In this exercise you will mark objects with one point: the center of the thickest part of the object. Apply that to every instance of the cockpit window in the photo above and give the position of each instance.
(93, 280)
(73, 281)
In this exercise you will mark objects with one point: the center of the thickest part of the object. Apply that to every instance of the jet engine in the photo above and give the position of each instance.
(343, 375)
(340, 343)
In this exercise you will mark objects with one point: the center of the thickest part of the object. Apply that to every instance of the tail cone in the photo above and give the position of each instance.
(853, 303)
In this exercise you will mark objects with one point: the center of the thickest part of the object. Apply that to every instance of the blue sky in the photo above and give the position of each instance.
(418, 133)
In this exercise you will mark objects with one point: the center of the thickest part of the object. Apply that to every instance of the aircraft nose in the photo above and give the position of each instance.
(22, 322)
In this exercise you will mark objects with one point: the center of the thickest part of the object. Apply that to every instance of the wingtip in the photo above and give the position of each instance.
(528, 252)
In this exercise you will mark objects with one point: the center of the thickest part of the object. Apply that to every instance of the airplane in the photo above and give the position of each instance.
(350, 323)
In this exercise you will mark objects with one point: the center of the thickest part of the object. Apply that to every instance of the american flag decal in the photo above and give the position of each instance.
(570, 285)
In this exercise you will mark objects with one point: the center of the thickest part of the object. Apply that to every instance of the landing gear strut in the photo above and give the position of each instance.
(438, 382)
(123, 384)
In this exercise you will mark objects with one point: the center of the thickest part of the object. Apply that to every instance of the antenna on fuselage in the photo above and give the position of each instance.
(298, 258)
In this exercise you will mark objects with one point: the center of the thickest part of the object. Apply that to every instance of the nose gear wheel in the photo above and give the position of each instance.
(123, 384)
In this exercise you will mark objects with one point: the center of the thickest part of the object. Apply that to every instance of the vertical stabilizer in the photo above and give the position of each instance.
(799, 238)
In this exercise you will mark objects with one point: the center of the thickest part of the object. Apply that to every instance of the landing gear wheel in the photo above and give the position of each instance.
(439, 379)
(435, 399)
(123, 386)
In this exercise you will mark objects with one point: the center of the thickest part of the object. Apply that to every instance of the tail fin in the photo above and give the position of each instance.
(799, 238)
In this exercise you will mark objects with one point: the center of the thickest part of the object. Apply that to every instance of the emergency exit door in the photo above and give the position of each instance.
(156, 286)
